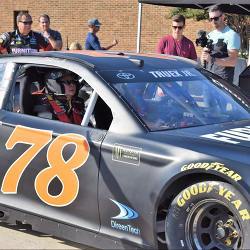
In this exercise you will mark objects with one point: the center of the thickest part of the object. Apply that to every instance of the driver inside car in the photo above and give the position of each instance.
(59, 100)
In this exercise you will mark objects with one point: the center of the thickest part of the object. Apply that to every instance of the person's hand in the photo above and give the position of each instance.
(46, 34)
(115, 42)
(205, 56)
(4, 38)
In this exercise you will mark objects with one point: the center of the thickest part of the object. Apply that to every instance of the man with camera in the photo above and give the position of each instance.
(221, 57)
(23, 40)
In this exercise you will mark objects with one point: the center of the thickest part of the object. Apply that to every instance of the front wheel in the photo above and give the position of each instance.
(208, 215)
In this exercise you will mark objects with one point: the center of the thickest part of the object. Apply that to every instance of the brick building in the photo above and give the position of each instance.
(119, 19)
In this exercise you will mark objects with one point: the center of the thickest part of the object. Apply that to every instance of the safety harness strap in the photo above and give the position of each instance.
(58, 110)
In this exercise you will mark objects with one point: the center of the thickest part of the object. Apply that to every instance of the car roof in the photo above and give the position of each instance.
(104, 60)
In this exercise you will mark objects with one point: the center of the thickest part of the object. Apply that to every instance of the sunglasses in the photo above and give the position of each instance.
(178, 27)
(214, 18)
(68, 82)
(26, 22)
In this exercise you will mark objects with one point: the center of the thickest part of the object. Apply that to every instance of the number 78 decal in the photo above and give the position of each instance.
(58, 167)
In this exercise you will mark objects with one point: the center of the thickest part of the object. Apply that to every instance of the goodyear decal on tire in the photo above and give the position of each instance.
(215, 166)
(209, 187)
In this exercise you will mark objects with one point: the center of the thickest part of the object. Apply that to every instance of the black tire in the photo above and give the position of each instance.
(208, 215)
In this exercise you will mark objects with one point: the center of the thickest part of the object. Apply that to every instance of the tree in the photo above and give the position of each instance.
(239, 24)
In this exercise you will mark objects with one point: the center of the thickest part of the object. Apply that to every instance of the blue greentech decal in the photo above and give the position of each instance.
(126, 213)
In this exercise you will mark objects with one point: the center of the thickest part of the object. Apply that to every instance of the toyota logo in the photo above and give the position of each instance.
(126, 76)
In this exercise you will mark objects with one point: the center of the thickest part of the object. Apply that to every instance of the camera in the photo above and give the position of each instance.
(203, 41)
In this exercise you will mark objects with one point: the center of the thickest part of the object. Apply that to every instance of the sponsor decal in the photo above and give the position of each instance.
(22, 50)
(127, 228)
(126, 213)
(126, 154)
(233, 136)
(125, 76)
(215, 166)
(207, 188)
(171, 73)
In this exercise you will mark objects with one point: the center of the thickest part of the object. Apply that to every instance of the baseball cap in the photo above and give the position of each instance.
(94, 22)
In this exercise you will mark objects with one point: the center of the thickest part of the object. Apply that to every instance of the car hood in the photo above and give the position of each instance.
(228, 140)
(234, 133)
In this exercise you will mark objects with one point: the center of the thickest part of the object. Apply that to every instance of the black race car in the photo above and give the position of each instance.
(160, 159)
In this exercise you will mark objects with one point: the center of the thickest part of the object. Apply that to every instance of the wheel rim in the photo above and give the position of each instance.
(211, 225)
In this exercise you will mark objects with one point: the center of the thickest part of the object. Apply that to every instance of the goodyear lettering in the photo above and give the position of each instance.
(226, 193)
(194, 190)
(200, 188)
(237, 204)
(244, 214)
(216, 166)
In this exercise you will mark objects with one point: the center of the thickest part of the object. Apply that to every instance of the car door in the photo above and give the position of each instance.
(49, 168)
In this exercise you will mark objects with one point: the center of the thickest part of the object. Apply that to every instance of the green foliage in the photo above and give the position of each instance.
(196, 14)
(239, 24)
(243, 53)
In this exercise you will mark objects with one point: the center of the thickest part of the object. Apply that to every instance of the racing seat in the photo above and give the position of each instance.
(26, 100)
(29, 82)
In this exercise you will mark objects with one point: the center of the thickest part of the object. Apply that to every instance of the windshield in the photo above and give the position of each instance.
(182, 102)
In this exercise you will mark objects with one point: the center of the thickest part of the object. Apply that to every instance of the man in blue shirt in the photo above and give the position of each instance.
(92, 41)
(226, 44)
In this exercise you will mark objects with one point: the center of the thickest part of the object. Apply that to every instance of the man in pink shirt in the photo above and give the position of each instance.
(177, 44)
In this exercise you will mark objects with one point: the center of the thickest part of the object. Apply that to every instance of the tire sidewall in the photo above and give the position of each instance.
(185, 203)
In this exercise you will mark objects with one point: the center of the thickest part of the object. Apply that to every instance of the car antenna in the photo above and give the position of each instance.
(67, 42)
(138, 62)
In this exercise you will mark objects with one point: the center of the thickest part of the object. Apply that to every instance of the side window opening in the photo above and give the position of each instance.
(46, 93)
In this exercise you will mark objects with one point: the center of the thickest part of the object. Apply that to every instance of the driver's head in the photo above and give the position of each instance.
(69, 84)
(62, 82)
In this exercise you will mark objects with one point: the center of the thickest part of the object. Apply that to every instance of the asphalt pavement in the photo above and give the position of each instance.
(22, 237)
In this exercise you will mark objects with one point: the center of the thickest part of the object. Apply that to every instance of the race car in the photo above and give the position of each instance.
(159, 161)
